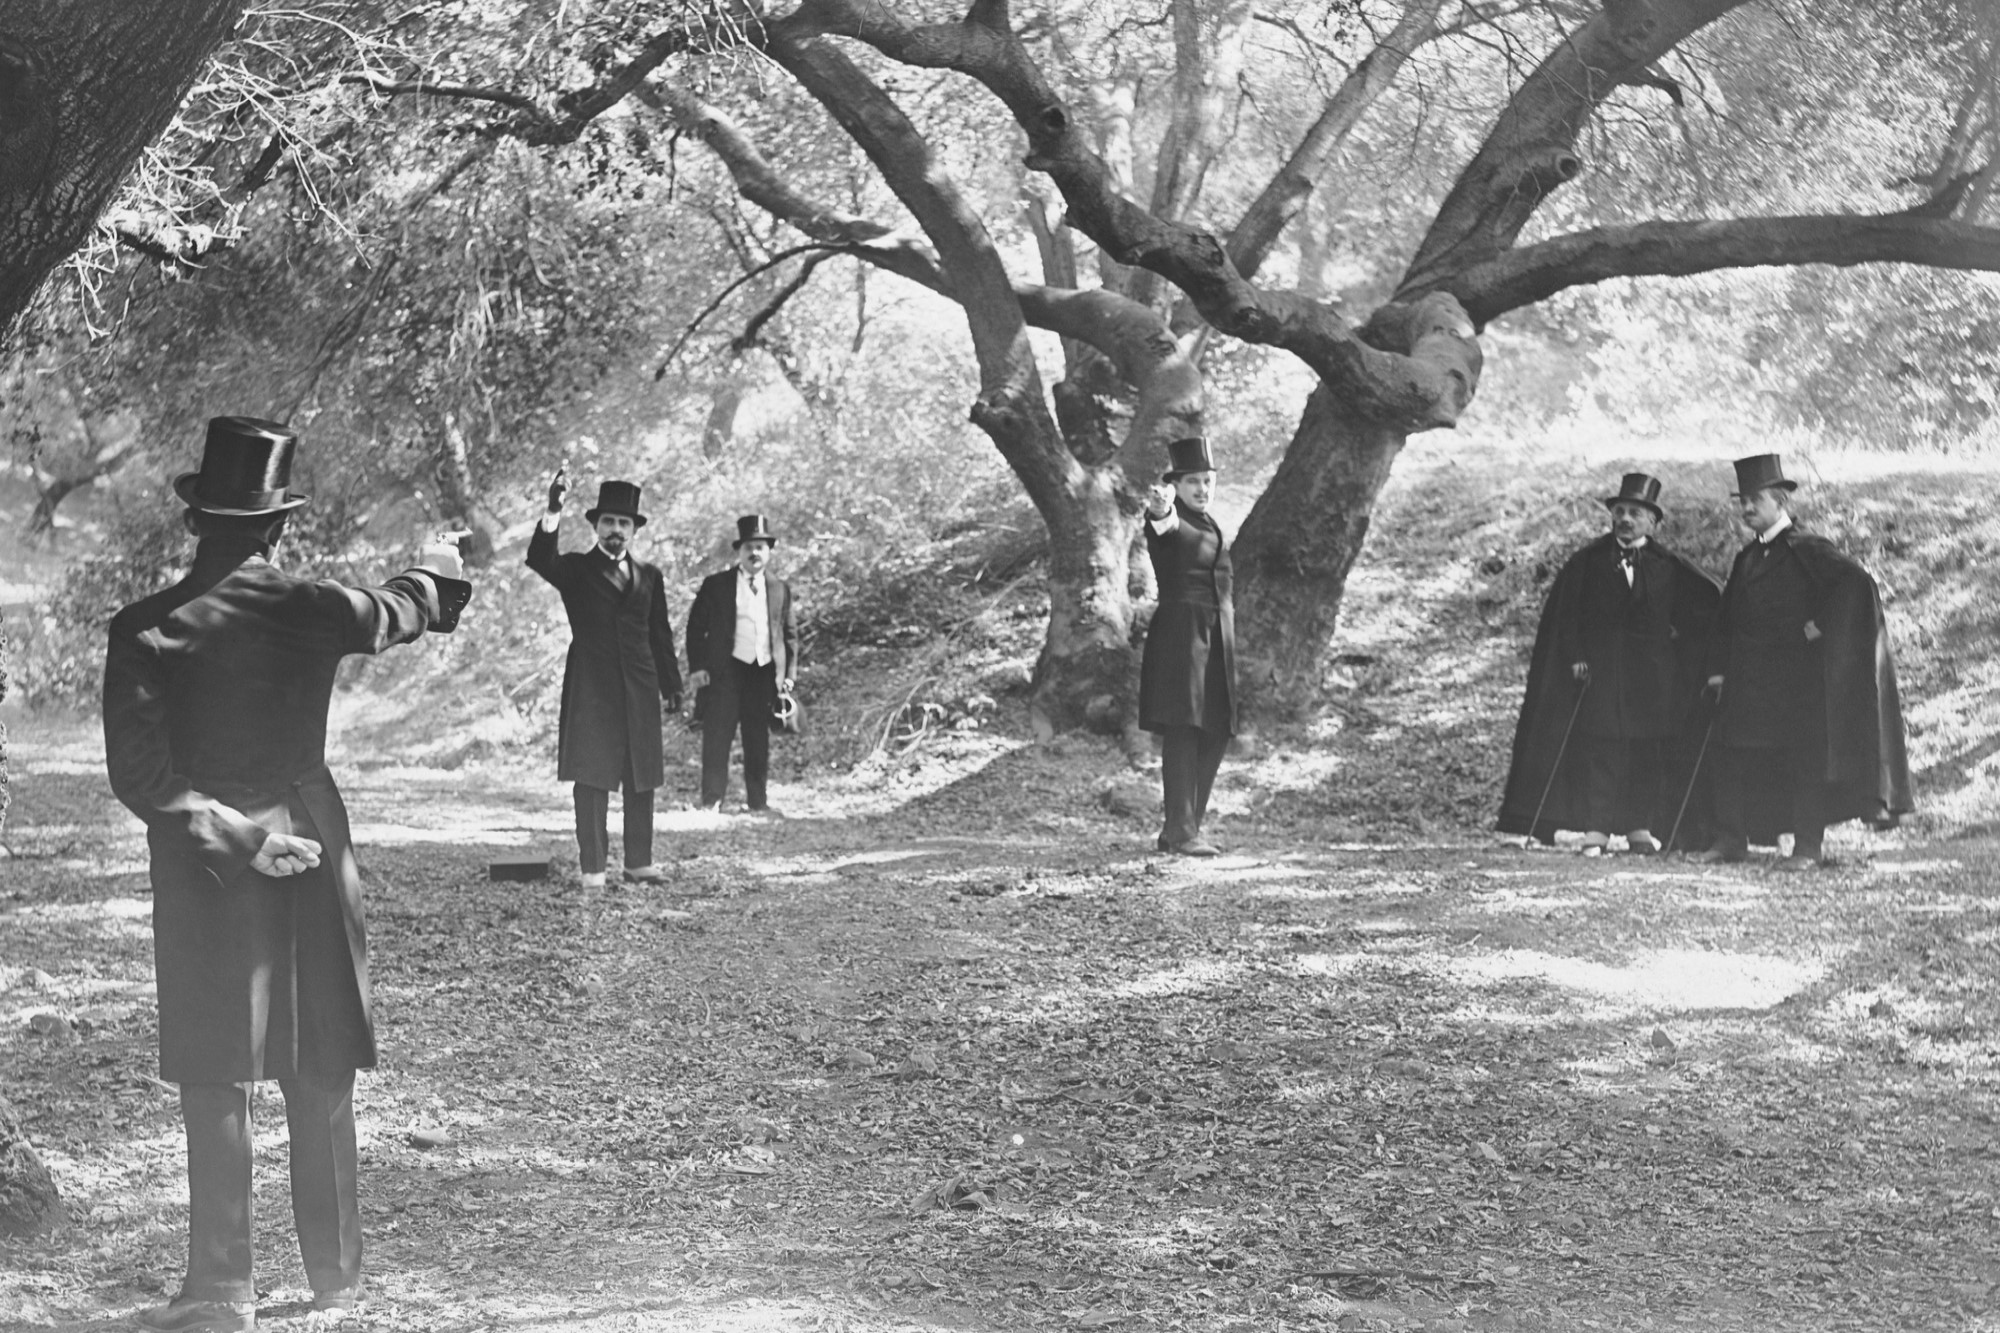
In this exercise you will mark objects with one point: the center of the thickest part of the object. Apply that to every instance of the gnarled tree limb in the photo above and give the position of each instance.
(1531, 149)
(1521, 277)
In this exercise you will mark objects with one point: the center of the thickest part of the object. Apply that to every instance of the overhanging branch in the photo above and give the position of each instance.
(1678, 249)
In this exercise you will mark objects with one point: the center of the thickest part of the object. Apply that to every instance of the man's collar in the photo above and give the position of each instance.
(1770, 534)
(1633, 547)
(599, 548)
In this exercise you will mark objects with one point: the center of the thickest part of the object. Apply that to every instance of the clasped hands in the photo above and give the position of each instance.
(283, 855)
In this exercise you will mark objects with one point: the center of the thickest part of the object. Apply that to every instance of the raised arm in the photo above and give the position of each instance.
(542, 549)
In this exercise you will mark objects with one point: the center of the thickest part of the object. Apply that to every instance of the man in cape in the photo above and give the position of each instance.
(1809, 728)
(1613, 686)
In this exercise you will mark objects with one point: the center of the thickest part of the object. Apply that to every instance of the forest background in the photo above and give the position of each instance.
(458, 243)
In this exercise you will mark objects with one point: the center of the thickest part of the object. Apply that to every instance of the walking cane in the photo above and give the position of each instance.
(1700, 755)
(1556, 767)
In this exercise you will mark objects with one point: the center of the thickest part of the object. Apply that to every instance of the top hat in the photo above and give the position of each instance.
(246, 469)
(1759, 472)
(1636, 488)
(617, 497)
(1187, 455)
(754, 528)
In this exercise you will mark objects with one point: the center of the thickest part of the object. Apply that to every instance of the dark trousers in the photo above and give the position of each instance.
(593, 832)
(319, 1112)
(1757, 787)
(1189, 759)
(1621, 783)
(741, 693)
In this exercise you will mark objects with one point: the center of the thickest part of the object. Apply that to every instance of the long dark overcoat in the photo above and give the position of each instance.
(1193, 625)
(1647, 645)
(1846, 679)
(621, 665)
(215, 701)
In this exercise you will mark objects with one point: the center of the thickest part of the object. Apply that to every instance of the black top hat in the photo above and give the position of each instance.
(1759, 472)
(246, 468)
(1636, 488)
(617, 497)
(754, 528)
(1187, 455)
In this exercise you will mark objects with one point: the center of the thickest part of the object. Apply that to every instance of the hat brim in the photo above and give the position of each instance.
(591, 516)
(1783, 484)
(768, 541)
(184, 487)
(1171, 476)
(1611, 500)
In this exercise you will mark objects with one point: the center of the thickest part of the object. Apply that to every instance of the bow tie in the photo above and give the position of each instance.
(1629, 555)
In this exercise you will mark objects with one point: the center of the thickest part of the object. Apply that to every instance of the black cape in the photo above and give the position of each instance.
(1867, 770)
(1550, 703)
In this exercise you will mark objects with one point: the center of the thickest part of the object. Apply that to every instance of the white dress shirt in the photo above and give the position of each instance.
(1770, 534)
(1630, 570)
(753, 620)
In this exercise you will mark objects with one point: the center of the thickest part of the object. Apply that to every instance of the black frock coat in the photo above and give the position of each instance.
(1836, 696)
(621, 665)
(215, 702)
(1647, 646)
(1194, 625)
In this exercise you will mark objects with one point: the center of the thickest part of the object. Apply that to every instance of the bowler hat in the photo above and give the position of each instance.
(617, 497)
(1637, 488)
(1187, 455)
(246, 468)
(754, 528)
(1761, 472)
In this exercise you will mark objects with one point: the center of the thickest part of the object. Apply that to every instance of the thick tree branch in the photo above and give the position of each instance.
(1011, 408)
(1273, 210)
(387, 87)
(1382, 385)
(1532, 147)
(1521, 277)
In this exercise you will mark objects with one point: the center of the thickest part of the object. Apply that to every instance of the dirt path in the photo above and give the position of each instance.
(976, 1061)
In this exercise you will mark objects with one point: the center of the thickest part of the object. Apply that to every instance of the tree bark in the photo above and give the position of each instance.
(1295, 551)
(85, 85)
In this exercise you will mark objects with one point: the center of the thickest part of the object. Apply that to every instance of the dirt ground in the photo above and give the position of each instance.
(948, 1048)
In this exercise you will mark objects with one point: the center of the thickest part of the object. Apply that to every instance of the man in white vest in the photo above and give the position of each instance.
(742, 645)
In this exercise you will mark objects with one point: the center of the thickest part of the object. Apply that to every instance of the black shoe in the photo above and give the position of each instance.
(185, 1316)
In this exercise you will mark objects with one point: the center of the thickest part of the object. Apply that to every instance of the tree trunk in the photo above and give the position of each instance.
(1296, 549)
(1087, 674)
(84, 87)
(457, 497)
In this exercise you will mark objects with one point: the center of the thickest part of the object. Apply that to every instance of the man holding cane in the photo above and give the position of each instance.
(215, 705)
(1619, 658)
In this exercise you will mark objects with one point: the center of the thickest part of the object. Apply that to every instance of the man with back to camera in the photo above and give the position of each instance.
(215, 703)
(1619, 661)
(620, 669)
(743, 652)
(1809, 725)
